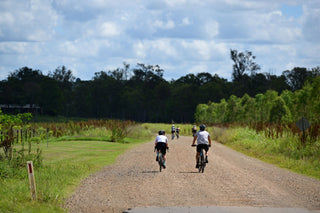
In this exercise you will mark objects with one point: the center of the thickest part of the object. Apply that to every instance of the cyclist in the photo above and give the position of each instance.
(173, 130)
(161, 144)
(194, 130)
(177, 132)
(203, 142)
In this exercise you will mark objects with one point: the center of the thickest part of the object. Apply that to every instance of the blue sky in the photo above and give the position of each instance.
(181, 36)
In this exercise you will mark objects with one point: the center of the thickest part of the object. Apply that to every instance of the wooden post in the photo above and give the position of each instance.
(32, 180)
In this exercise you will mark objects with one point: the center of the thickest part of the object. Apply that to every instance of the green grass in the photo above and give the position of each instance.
(185, 129)
(282, 152)
(65, 163)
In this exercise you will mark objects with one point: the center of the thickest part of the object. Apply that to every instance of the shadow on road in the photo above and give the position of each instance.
(188, 172)
(150, 172)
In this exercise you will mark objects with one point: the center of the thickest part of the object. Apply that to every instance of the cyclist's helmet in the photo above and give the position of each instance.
(161, 132)
(202, 127)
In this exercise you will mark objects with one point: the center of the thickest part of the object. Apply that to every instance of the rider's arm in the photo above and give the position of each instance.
(194, 140)
(155, 142)
(209, 139)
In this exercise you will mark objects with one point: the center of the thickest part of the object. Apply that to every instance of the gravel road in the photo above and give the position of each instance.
(230, 179)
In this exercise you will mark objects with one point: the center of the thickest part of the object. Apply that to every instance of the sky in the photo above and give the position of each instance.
(181, 36)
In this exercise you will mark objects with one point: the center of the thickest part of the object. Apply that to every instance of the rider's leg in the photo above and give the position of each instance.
(157, 158)
(197, 159)
(164, 160)
(207, 153)
(197, 156)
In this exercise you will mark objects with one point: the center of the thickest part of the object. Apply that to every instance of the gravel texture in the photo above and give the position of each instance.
(230, 179)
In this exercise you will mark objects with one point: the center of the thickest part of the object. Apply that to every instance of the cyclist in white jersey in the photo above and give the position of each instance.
(203, 142)
(161, 144)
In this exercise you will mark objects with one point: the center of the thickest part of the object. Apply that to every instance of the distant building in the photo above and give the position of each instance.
(14, 108)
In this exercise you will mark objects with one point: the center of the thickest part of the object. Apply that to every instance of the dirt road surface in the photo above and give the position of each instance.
(230, 179)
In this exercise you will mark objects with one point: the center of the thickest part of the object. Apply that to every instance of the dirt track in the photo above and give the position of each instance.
(230, 179)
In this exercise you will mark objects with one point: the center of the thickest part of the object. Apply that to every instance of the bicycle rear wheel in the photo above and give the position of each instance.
(202, 163)
(160, 162)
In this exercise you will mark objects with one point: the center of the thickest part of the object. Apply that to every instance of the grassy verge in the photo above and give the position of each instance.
(65, 163)
(282, 152)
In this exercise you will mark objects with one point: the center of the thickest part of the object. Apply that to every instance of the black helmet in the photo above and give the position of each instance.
(202, 127)
(162, 132)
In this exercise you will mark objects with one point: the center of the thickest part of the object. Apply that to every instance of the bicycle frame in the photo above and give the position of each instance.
(160, 161)
(201, 160)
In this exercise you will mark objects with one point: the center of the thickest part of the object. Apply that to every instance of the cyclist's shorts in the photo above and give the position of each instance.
(202, 146)
(172, 131)
(162, 147)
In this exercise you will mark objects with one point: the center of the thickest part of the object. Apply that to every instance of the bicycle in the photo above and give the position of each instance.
(201, 161)
(160, 160)
(172, 136)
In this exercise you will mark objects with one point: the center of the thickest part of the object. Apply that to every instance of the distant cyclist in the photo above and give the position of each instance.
(177, 132)
(194, 130)
(203, 142)
(173, 130)
(161, 144)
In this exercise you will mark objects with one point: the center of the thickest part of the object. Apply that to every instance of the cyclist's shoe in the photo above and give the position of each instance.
(207, 159)
(157, 158)
(197, 165)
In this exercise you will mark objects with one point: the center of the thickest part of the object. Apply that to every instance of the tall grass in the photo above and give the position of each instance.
(284, 152)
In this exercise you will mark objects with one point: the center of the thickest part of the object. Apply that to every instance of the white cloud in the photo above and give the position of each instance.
(26, 20)
(13, 47)
(311, 26)
(164, 25)
(211, 28)
(179, 35)
(203, 50)
(161, 48)
(109, 29)
(185, 21)
(198, 68)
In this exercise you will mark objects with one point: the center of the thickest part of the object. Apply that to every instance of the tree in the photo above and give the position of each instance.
(61, 74)
(297, 77)
(65, 79)
(232, 110)
(279, 112)
(23, 86)
(243, 62)
(120, 74)
(201, 113)
(246, 113)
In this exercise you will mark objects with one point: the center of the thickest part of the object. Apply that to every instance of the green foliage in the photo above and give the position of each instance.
(201, 113)
(10, 155)
(279, 112)
(268, 107)
(284, 151)
(65, 163)
(119, 130)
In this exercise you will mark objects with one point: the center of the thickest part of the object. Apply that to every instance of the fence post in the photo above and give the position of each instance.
(32, 180)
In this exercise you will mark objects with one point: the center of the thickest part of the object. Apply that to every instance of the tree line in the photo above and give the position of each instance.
(140, 93)
(269, 107)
